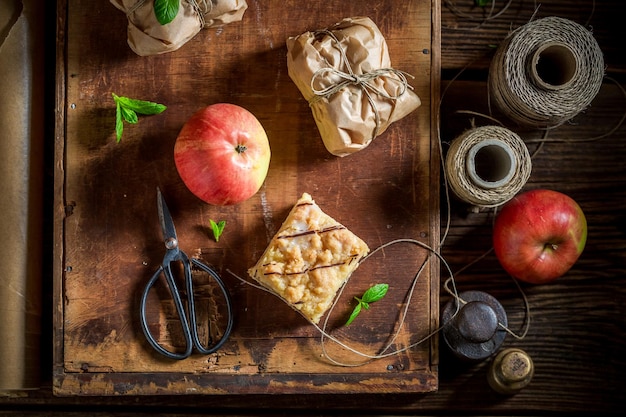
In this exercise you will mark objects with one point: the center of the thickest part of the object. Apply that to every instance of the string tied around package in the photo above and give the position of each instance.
(363, 81)
(487, 166)
(202, 8)
(546, 72)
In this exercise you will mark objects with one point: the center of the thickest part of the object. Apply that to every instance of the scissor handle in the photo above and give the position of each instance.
(229, 309)
(173, 288)
(189, 327)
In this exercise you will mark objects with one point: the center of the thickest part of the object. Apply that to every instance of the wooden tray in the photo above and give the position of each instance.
(107, 236)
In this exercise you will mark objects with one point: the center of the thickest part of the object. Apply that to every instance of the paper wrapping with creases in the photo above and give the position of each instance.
(347, 119)
(146, 36)
(21, 184)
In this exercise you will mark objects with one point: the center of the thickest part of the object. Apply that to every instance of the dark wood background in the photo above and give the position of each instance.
(576, 335)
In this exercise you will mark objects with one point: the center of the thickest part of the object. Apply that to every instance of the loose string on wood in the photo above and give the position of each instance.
(482, 20)
(384, 351)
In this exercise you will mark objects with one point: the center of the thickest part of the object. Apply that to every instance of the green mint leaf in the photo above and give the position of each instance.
(482, 3)
(126, 110)
(375, 293)
(355, 312)
(218, 228)
(166, 10)
(119, 125)
(129, 115)
(140, 106)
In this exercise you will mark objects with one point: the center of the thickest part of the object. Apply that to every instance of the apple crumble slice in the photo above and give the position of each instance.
(309, 259)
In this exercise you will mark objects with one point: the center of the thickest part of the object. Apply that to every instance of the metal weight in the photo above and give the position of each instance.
(475, 332)
(511, 370)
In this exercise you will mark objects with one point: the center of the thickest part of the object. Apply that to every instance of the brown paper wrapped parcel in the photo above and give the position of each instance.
(345, 74)
(146, 36)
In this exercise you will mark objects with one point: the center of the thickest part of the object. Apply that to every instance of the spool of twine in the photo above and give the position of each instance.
(486, 166)
(546, 72)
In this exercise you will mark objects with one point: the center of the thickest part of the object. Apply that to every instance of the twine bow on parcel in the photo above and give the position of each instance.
(346, 76)
(363, 81)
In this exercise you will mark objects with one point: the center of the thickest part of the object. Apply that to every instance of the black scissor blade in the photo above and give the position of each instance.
(165, 218)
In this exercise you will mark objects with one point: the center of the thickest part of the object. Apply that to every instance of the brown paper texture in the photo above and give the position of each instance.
(345, 74)
(146, 36)
(21, 185)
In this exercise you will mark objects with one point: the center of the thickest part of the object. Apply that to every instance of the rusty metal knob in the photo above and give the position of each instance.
(474, 333)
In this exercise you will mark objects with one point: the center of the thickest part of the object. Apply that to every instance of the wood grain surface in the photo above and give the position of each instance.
(111, 238)
(576, 335)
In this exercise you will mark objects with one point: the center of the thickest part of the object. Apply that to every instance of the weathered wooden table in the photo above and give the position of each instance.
(109, 229)
(576, 334)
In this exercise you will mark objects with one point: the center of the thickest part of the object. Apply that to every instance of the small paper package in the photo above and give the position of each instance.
(146, 36)
(345, 74)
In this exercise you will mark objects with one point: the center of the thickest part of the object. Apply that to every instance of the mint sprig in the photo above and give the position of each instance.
(373, 294)
(126, 110)
(218, 228)
(166, 10)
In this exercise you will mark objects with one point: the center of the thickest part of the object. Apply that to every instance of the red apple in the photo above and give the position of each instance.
(539, 235)
(222, 154)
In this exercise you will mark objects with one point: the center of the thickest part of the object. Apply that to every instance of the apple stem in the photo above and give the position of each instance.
(241, 148)
(552, 246)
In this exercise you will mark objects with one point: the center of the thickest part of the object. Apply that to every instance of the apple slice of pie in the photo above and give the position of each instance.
(309, 259)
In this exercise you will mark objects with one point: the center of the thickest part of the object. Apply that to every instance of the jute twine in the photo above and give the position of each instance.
(546, 72)
(362, 81)
(460, 169)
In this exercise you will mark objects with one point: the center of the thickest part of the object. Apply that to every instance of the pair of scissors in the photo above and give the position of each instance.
(188, 318)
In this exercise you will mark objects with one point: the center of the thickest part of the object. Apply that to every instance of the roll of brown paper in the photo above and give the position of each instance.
(21, 185)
